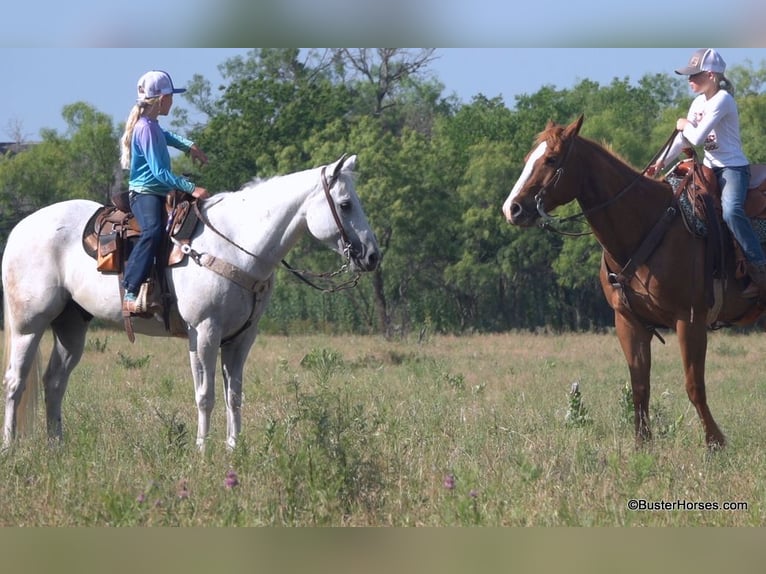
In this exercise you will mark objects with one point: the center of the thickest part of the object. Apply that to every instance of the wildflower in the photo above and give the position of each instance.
(474, 493)
(231, 479)
(577, 414)
(141, 498)
(183, 489)
(449, 482)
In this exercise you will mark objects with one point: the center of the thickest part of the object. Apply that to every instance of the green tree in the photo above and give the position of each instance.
(395, 105)
(750, 93)
(93, 150)
(264, 117)
(474, 276)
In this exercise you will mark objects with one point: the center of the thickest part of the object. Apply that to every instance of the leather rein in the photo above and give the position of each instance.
(549, 221)
(247, 281)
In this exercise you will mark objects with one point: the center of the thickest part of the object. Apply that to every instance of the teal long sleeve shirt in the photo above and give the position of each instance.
(150, 159)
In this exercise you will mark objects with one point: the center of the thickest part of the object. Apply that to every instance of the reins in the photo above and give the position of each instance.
(548, 221)
(243, 279)
(303, 274)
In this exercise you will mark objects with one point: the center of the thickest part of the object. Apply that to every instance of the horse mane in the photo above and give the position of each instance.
(257, 182)
(552, 136)
(610, 151)
(248, 186)
(260, 184)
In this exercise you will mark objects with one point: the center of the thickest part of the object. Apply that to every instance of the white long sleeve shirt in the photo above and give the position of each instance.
(715, 124)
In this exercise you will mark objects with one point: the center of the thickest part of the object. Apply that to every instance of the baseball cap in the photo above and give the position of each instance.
(703, 60)
(156, 83)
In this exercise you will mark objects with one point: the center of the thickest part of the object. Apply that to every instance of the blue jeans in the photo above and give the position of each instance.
(733, 182)
(147, 209)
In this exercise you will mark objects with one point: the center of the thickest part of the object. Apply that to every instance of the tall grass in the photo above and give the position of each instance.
(359, 431)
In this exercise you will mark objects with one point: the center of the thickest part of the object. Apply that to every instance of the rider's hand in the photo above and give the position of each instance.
(654, 169)
(681, 124)
(197, 155)
(200, 193)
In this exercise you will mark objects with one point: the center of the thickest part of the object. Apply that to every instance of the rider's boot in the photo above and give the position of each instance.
(757, 287)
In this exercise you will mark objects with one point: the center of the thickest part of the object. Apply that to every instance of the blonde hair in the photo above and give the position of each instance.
(138, 110)
(723, 82)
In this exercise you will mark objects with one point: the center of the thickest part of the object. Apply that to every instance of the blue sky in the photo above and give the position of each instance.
(38, 83)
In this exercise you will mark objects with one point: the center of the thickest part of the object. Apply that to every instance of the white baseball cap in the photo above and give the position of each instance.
(156, 83)
(703, 60)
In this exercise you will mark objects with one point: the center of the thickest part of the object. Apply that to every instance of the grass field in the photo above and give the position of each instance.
(360, 431)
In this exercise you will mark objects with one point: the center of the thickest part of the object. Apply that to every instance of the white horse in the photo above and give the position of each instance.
(50, 281)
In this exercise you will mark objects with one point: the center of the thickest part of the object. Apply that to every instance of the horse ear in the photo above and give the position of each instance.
(338, 166)
(350, 163)
(574, 127)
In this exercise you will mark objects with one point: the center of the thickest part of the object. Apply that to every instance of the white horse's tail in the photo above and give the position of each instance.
(27, 409)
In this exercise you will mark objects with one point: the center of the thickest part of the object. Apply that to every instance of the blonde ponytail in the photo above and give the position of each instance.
(724, 83)
(130, 123)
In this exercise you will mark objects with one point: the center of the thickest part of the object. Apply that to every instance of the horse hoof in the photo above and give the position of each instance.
(716, 445)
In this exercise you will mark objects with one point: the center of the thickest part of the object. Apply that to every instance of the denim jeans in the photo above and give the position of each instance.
(734, 182)
(147, 209)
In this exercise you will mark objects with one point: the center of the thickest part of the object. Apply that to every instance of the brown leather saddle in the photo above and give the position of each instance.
(111, 232)
(704, 196)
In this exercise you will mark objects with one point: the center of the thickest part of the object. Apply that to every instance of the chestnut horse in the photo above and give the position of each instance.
(648, 285)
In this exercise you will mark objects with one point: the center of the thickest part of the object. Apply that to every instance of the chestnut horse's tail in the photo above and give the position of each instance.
(26, 411)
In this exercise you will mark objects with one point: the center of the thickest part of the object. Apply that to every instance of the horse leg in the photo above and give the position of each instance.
(21, 355)
(692, 339)
(233, 356)
(69, 331)
(635, 340)
(203, 352)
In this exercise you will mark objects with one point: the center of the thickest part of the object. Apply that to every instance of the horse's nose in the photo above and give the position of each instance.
(513, 212)
(372, 260)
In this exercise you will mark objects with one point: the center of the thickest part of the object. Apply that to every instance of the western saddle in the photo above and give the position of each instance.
(111, 233)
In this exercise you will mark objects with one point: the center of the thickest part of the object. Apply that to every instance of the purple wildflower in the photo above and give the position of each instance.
(474, 493)
(141, 498)
(449, 482)
(231, 479)
(183, 489)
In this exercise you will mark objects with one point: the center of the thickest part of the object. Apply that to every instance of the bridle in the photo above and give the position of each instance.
(550, 222)
(547, 221)
(346, 248)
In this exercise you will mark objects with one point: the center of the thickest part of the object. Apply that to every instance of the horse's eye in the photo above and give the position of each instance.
(551, 160)
(345, 205)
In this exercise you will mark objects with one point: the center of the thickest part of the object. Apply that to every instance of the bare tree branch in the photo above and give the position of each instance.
(386, 68)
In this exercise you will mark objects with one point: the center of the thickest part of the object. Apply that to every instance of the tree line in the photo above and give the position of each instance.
(433, 174)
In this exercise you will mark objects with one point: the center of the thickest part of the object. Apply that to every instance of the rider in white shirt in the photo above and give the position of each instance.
(713, 122)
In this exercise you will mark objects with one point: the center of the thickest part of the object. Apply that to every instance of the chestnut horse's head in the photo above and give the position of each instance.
(538, 189)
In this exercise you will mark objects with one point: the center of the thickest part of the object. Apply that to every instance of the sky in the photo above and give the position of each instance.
(39, 82)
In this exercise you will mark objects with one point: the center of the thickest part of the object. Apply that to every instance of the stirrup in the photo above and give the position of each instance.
(139, 305)
(132, 307)
(142, 299)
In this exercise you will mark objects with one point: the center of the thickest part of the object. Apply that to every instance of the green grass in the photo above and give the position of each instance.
(359, 431)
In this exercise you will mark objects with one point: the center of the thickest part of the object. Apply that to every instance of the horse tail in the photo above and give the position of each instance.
(26, 411)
